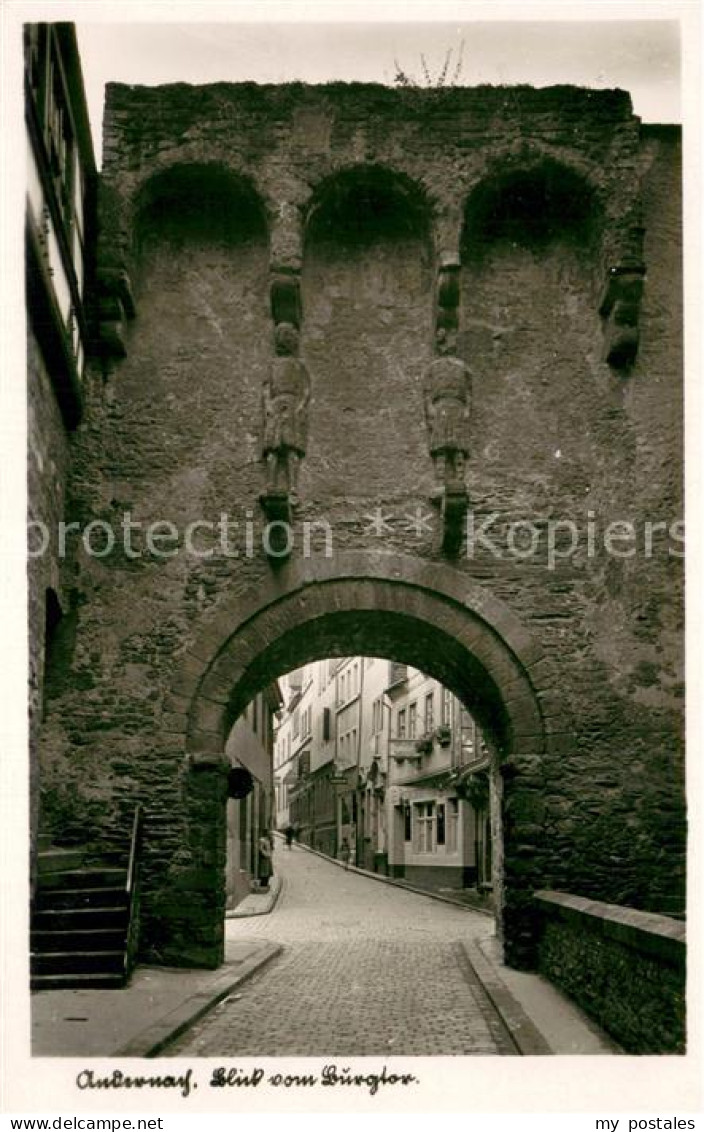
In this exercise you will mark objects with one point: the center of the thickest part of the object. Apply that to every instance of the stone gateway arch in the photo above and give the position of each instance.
(395, 607)
(388, 372)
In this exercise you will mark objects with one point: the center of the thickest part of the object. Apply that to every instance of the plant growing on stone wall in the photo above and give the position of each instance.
(445, 77)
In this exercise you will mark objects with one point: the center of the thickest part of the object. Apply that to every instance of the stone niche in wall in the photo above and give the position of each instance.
(530, 279)
(198, 205)
(367, 289)
(203, 335)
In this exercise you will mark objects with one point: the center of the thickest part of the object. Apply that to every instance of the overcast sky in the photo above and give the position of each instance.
(641, 56)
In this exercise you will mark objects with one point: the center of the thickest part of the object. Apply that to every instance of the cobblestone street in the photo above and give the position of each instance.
(367, 969)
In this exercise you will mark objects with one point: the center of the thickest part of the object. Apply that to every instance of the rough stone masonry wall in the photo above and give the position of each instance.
(626, 969)
(173, 432)
(47, 469)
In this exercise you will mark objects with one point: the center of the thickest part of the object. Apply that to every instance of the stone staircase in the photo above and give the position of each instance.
(80, 923)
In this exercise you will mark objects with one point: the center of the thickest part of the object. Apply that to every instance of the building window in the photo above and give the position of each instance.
(407, 831)
(440, 824)
(446, 706)
(377, 716)
(424, 823)
(429, 712)
(467, 735)
(59, 139)
(452, 820)
(412, 720)
(401, 724)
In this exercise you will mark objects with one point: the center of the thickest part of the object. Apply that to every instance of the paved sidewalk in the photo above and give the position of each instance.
(138, 1020)
(563, 1025)
(258, 903)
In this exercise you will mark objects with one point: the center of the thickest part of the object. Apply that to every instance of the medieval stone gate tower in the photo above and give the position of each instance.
(511, 253)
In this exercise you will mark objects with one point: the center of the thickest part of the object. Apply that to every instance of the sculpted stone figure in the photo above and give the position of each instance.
(447, 393)
(285, 399)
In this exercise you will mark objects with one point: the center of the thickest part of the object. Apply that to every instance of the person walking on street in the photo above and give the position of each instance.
(345, 852)
(288, 834)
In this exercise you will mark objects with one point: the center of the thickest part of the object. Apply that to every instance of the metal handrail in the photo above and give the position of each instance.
(134, 845)
(132, 889)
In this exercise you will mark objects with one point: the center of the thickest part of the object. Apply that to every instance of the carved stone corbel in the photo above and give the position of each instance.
(115, 307)
(619, 305)
(620, 310)
(285, 295)
(455, 504)
(448, 293)
(276, 506)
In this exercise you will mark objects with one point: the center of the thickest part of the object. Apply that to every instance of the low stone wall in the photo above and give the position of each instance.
(625, 968)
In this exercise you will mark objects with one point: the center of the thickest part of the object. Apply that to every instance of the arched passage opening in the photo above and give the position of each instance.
(431, 618)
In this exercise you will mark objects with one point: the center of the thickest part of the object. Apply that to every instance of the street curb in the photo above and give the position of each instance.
(150, 1042)
(403, 885)
(265, 906)
(479, 947)
(521, 1029)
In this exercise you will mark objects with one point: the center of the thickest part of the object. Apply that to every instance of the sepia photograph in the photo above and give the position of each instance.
(354, 466)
